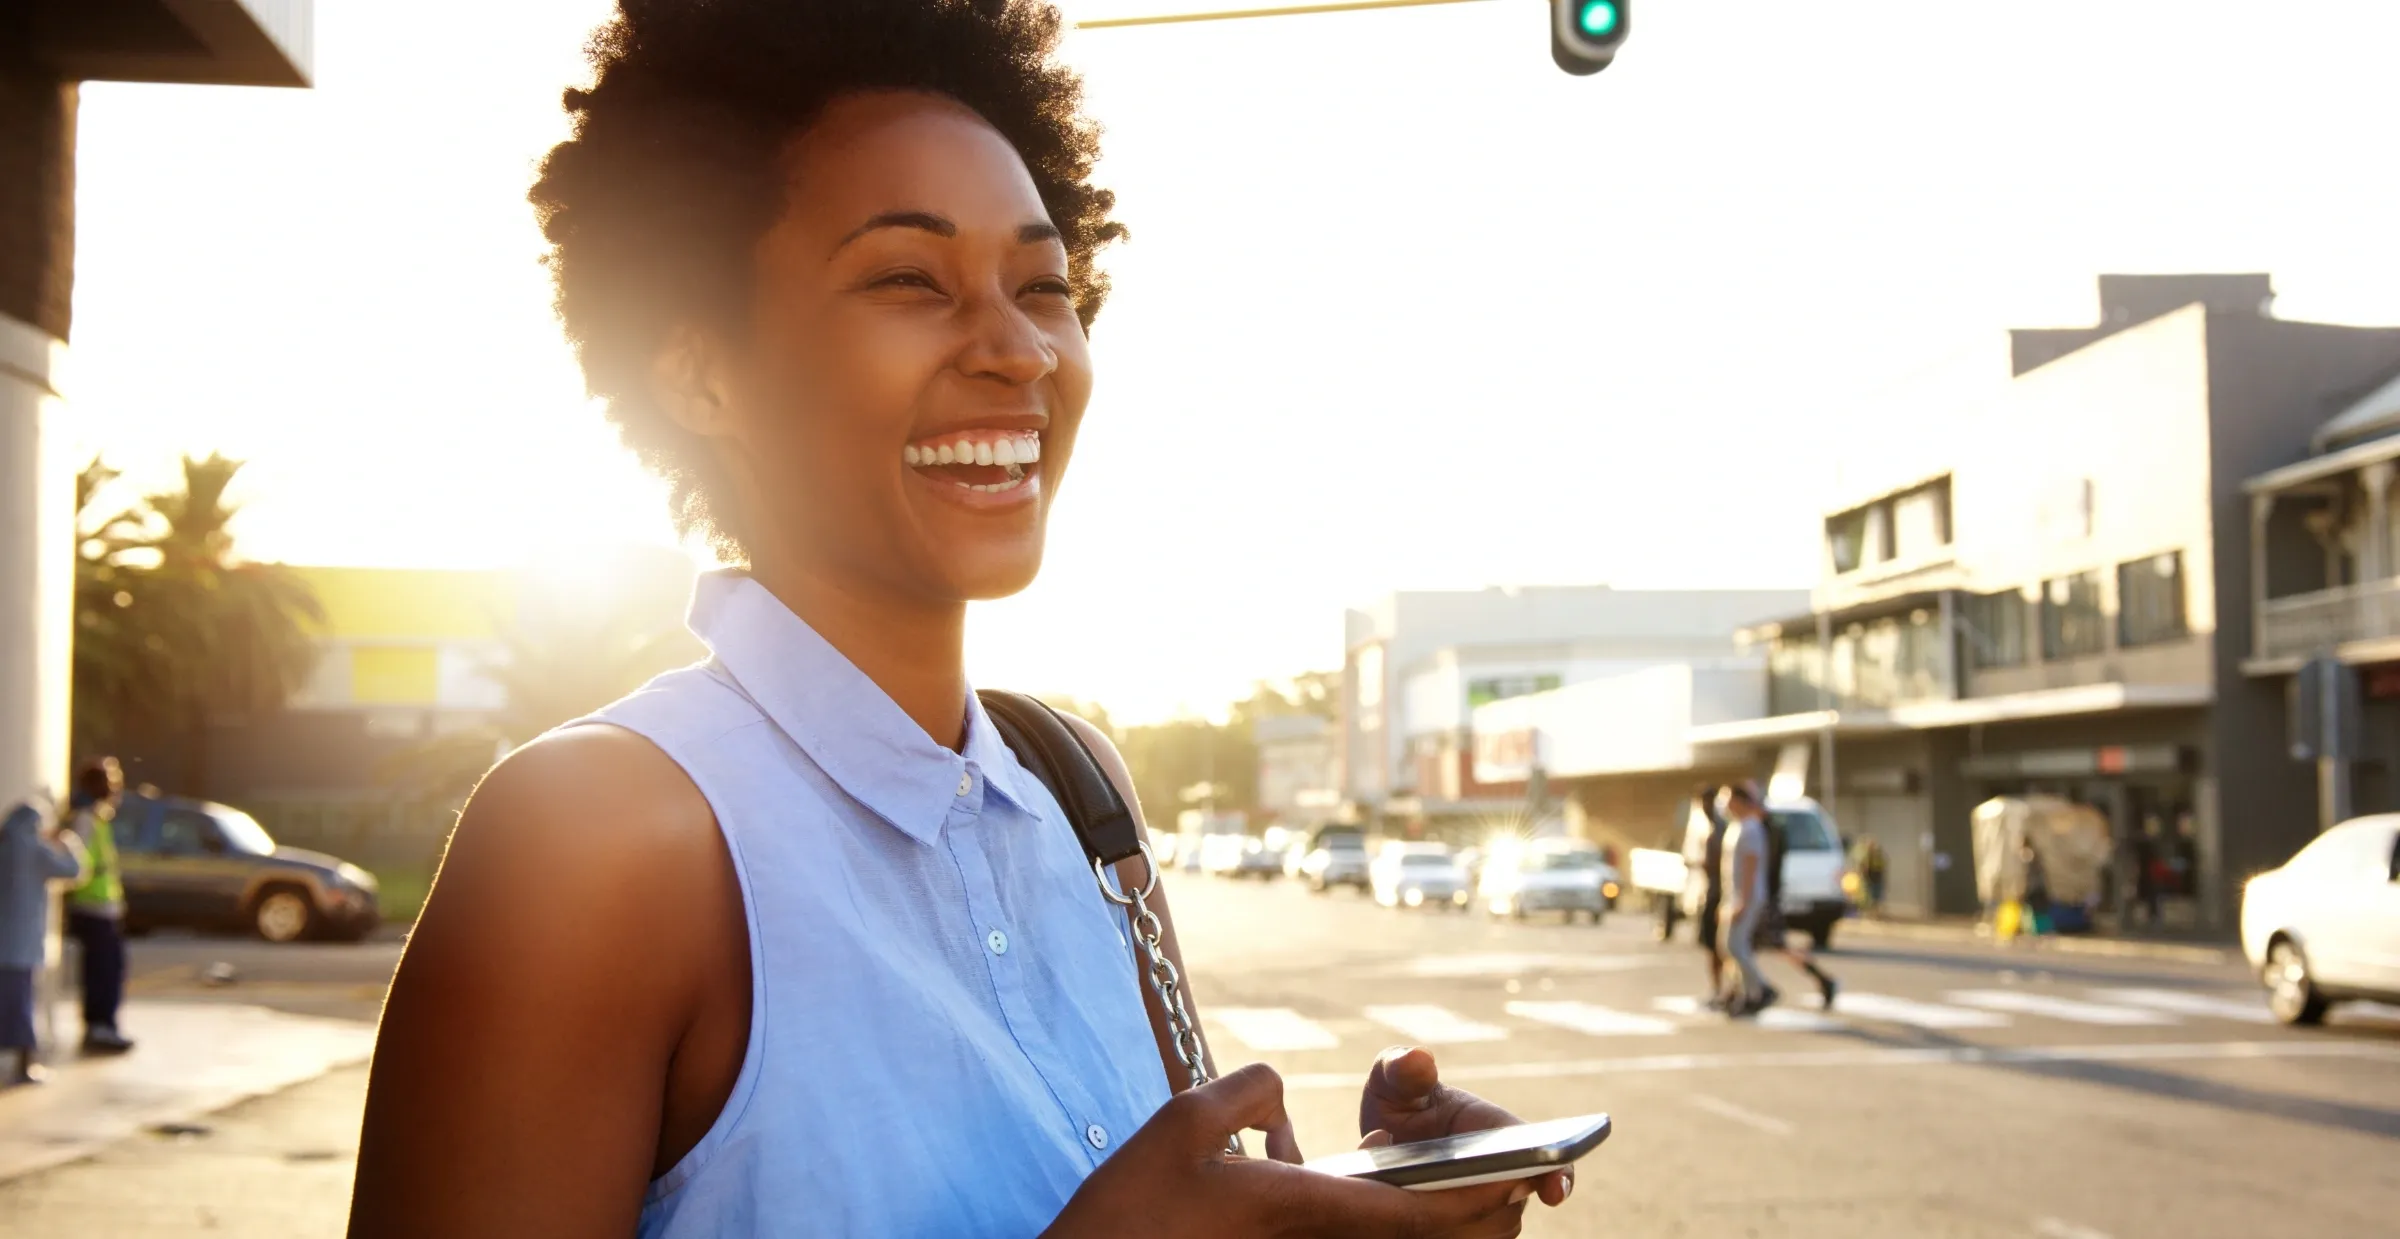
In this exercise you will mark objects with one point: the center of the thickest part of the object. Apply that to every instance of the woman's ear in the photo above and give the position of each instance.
(689, 376)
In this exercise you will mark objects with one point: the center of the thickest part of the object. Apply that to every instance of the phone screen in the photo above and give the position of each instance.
(1526, 1147)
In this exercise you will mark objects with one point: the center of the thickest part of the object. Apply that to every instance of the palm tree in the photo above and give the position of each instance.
(174, 629)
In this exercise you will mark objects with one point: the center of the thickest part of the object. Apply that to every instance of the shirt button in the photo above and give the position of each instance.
(966, 783)
(1097, 1135)
(997, 941)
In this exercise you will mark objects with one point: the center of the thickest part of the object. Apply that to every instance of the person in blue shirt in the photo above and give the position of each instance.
(788, 942)
(37, 854)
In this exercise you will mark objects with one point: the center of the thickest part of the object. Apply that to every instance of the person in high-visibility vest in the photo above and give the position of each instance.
(96, 909)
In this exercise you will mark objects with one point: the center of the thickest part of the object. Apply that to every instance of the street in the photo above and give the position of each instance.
(1957, 1089)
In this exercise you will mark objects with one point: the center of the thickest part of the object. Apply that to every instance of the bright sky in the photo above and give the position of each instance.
(1405, 306)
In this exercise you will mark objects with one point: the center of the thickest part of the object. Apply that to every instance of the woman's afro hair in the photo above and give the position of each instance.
(676, 168)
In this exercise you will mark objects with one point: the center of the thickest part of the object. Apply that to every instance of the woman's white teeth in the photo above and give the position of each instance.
(1004, 453)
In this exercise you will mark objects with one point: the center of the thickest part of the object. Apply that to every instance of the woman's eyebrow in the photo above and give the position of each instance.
(925, 221)
(1035, 233)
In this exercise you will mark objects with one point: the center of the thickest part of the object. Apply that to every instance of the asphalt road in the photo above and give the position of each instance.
(1953, 1091)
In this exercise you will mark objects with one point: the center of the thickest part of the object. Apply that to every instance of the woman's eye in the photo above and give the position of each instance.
(1053, 287)
(904, 279)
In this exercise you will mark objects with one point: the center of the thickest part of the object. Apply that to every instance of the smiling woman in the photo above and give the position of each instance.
(789, 941)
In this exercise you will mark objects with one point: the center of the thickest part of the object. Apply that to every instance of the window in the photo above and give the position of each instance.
(2071, 618)
(1846, 540)
(1995, 628)
(1803, 831)
(1921, 520)
(184, 832)
(2150, 600)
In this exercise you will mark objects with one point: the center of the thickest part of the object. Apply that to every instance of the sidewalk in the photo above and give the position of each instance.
(194, 1059)
(1963, 932)
(275, 1167)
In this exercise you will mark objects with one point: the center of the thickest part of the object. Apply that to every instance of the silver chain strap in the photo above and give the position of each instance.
(1147, 930)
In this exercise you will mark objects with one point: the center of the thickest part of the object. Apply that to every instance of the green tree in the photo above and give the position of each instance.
(174, 629)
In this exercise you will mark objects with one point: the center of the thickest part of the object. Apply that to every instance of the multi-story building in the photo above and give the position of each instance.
(2056, 596)
(2325, 581)
(1419, 664)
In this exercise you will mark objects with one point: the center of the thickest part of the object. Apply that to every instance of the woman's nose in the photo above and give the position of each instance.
(1004, 344)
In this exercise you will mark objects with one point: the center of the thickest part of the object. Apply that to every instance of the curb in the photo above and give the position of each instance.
(2110, 948)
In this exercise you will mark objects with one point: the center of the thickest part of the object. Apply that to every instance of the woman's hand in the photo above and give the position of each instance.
(1405, 1101)
(1173, 1179)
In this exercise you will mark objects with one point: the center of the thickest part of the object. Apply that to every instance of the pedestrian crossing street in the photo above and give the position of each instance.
(1282, 1029)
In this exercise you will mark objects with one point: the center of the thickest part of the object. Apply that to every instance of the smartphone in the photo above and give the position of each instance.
(1518, 1152)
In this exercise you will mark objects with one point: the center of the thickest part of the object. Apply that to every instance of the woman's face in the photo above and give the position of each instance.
(903, 406)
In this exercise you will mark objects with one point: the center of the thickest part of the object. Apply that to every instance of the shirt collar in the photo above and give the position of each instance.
(847, 724)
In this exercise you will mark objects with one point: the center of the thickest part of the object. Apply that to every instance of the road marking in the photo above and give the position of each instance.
(1273, 1028)
(1749, 1118)
(2181, 1003)
(1919, 1014)
(1778, 1019)
(2058, 1008)
(1513, 964)
(2060, 1228)
(1583, 1017)
(1433, 1025)
(1928, 1057)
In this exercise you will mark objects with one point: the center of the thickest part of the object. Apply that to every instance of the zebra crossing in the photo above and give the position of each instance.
(1284, 1029)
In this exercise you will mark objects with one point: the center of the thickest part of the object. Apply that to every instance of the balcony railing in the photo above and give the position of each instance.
(2305, 625)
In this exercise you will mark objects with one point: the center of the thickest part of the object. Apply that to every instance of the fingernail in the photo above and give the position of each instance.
(1518, 1196)
(1566, 1188)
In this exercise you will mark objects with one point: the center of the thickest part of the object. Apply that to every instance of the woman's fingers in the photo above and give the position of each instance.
(1249, 1098)
(1555, 1187)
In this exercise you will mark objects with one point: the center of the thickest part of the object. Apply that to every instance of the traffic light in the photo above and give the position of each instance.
(1585, 34)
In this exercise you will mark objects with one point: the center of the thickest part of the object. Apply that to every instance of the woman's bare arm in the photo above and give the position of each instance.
(576, 940)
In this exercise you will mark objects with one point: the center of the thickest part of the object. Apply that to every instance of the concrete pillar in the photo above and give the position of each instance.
(2262, 507)
(2377, 478)
(37, 473)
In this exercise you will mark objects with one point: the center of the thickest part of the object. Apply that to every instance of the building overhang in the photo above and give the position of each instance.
(2319, 468)
(1972, 711)
(195, 42)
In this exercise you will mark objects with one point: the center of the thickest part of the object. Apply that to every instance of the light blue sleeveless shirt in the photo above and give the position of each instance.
(946, 1030)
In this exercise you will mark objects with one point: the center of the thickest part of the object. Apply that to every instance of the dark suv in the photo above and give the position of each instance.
(205, 866)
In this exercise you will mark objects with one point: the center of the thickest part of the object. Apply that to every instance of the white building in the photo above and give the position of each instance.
(1420, 664)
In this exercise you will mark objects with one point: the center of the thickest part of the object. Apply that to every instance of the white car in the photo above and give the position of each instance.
(1547, 875)
(2326, 926)
(1418, 875)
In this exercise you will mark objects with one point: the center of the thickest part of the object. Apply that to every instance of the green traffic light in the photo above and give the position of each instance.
(1599, 18)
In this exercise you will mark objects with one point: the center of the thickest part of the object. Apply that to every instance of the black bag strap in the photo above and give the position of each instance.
(1050, 749)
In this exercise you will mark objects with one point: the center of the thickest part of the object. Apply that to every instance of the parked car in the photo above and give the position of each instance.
(1338, 858)
(1418, 875)
(1547, 875)
(2325, 928)
(194, 864)
(1238, 856)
